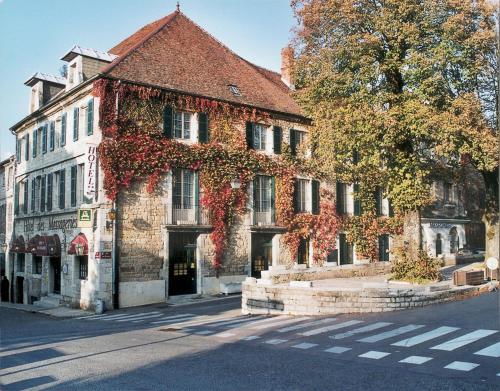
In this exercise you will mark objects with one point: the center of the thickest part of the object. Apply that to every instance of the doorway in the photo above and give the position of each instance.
(19, 289)
(346, 250)
(55, 265)
(262, 253)
(182, 264)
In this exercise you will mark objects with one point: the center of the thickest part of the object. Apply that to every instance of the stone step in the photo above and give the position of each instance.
(50, 301)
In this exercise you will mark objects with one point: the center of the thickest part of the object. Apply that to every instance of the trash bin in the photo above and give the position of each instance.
(99, 306)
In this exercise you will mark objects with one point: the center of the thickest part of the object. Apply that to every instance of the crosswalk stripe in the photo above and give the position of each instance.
(490, 351)
(249, 338)
(337, 349)
(373, 354)
(464, 340)
(173, 319)
(307, 324)
(255, 322)
(124, 316)
(304, 345)
(391, 333)
(276, 341)
(462, 366)
(91, 316)
(440, 331)
(280, 322)
(233, 321)
(141, 319)
(370, 327)
(417, 360)
(330, 328)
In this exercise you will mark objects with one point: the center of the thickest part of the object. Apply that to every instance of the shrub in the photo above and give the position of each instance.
(415, 265)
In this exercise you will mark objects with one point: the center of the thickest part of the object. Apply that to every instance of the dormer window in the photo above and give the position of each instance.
(234, 90)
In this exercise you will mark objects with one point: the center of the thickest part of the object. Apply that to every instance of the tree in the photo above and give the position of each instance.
(406, 86)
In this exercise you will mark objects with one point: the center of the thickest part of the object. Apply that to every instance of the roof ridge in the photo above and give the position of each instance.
(168, 19)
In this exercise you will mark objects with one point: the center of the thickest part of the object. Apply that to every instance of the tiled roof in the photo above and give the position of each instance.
(177, 54)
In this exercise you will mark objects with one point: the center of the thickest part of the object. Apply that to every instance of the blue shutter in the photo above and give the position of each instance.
(357, 201)
(62, 189)
(249, 135)
(76, 118)
(49, 192)
(315, 197)
(167, 121)
(44, 138)
(90, 117)
(43, 191)
(18, 150)
(63, 129)
(27, 150)
(203, 136)
(33, 195)
(35, 142)
(73, 186)
(52, 136)
(277, 139)
(293, 142)
(16, 199)
(340, 199)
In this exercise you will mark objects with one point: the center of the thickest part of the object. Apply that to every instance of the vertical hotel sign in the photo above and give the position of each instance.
(90, 169)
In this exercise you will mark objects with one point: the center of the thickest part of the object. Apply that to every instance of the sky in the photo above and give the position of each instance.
(34, 34)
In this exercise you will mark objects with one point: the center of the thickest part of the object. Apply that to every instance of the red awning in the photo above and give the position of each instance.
(45, 246)
(18, 245)
(79, 245)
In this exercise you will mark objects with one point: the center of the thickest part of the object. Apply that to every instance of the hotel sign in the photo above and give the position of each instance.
(434, 224)
(90, 169)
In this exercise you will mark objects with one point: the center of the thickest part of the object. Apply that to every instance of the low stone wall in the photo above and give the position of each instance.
(259, 298)
(280, 274)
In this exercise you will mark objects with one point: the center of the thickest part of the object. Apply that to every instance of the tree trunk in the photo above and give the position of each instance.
(492, 239)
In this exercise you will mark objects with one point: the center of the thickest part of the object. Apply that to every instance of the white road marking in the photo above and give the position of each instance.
(280, 322)
(360, 330)
(337, 349)
(417, 360)
(425, 336)
(255, 322)
(276, 341)
(490, 351)
(249, 338)
(126, 316)
(204, 332)
(307, 324)
(224, 335)
(373, 354)
(330, 328)
(462, 366)
(91, 316)
(140, 318)
(464, 340)
(391, 333)
(173, 319)
(232, 321)
(304, 345)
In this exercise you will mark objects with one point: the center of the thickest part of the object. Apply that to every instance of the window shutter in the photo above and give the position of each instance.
(340, 198)
(62, 189)
(73, 185)
(277, 139)
(49, 192)
(378, 201)
(355, 156)
(273, 197)
(43, 192)
(357, 201)
(296, 206)
(18, 150)
(196, 196)
(35, 142)
(33, 195)
(315, 197)
(76, 115)
(27, 150)
(44, 139)
(63, 129)
(16, 199)
(249, 135)
(293, 142)
(90, 117)
(203, 128)
(52, 136)
(167, 121)
(391, 209)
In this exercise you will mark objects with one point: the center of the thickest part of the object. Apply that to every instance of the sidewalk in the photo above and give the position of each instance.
(58, 312)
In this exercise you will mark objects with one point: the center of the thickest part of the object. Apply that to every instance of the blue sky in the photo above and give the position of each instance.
(34, 34)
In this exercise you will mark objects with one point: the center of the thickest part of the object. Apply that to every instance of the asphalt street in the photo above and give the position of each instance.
(211, 346)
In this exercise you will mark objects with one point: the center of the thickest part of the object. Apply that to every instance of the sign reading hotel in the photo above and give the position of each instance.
(90, 169)
(84, 218)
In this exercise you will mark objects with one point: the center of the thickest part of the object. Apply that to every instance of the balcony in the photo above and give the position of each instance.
(184, 216)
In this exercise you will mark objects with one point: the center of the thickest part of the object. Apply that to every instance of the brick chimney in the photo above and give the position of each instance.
(287, 59)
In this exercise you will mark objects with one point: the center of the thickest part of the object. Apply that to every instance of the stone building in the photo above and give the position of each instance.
(6, 216)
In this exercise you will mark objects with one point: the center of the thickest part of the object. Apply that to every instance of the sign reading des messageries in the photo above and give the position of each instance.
(90, 169)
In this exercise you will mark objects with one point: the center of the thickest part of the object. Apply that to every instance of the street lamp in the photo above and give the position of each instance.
(235, 183)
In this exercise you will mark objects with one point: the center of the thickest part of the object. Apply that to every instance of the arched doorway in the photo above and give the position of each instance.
(454, 240)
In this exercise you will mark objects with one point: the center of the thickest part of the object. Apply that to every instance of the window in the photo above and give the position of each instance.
(37, 265)
(182, 125)
(439, 245)
(379, 201)
(383, 248)
(83, 267)
(80, 176)
(63, 129)
(20, 262)
(448, 193)
(73, 185)
(35, 142)
(301, 195)
(303, 252)
(357, 201)
(297, 138)
(18, 150)
(44, 139)
(27, 147)
(234, 90)
(259, 137)
(262, 193)
(49, 191)
(76, 122)
(182, 189)
(62, 188)
(26, 194)
(346, 250)
(43, 192)
(52, 135)
(341, 198)
(90, 117)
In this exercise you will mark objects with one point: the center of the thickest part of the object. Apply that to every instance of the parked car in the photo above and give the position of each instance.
(469, 255)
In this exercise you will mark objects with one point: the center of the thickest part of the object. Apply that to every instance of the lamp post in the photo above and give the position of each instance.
(235, 183)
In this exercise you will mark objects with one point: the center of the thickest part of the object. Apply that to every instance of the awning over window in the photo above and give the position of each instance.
(18, 245)
(79, 245)
(45, 245)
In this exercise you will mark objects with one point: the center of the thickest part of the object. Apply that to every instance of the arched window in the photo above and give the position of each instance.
(439, 245)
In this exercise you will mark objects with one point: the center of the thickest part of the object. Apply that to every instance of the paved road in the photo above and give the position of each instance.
(211, 346)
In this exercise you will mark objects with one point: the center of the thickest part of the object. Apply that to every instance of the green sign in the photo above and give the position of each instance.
(84, 218)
